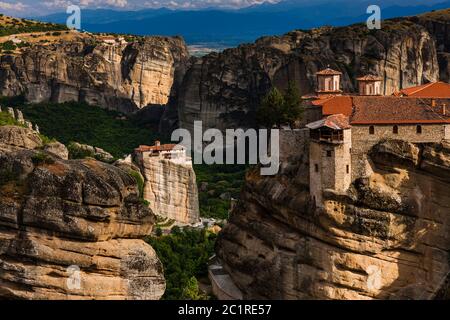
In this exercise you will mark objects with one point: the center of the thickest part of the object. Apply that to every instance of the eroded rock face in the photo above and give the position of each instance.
(20, 137)
(224, 90)
(387, 238)
(120, 76)
(72, 230)
(171, 190)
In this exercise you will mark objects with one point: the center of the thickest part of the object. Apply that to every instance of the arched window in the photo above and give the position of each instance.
(371, 130)
(395, 129)
(419, 129)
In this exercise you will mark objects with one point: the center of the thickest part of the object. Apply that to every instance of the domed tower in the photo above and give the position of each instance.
(328, 82)
(369, 85)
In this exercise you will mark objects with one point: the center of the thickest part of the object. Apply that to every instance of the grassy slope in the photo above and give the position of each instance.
(9, 26)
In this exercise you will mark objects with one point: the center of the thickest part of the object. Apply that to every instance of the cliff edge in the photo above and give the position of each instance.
(388, 237)
(71, 229)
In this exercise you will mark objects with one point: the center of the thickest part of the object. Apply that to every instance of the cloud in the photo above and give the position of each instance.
(18, 6)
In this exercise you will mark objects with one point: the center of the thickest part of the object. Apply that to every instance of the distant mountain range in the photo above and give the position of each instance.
(231, 27)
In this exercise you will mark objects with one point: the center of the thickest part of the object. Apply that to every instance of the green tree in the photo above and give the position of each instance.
(269, 113)
(292, 107)
(278, 109)
(191, 290)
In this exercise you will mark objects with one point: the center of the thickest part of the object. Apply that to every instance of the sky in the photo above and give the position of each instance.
(33, 7)
(36, 8)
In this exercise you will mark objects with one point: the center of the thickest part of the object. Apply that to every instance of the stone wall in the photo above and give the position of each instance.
(362, 141)
(328, 167)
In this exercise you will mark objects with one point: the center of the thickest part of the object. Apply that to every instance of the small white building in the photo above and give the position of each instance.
(369, 85)
(173, 152)
(328, 82)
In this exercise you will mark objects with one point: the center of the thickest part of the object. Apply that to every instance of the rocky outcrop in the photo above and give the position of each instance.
(171, 190)
(71, 229)
(20, 137)
(224, 89)
(79, 150)
(58, 149)
(120, 76)
(387, 238)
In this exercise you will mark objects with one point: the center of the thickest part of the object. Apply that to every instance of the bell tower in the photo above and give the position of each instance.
(329, 156)
(369, 85)
(328, 82)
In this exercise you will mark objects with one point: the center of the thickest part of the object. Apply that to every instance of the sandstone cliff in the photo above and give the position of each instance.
(171, 190)
(224, 89)
(387, 238)
(121, 76)
(71, 229)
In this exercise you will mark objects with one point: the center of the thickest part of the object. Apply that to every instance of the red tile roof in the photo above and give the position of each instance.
(399, 110)
(335, 105)
(429, 90)
(164, 147)
(369, 77)
(335, 122)
(328, 72)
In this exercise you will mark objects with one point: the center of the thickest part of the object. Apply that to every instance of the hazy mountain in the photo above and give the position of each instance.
(231, 27)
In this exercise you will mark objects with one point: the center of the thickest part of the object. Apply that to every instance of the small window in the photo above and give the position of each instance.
(328, 153)
(395, 129)
(371, 130)
(419, 129)
(316, 167)
(348, 169)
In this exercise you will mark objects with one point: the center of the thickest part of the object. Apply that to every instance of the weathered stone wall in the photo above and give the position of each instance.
(362, 141)
(328, 167)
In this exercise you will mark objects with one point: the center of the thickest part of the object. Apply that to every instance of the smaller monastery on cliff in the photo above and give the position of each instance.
(344, 127)
(170, 184)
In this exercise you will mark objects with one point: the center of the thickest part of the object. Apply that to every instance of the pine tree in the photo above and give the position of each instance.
(270, 111)
(292, 107)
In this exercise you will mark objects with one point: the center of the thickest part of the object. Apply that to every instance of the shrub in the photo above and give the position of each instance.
(76, 152)
(8, 46)
(42, 158)
(140, 182)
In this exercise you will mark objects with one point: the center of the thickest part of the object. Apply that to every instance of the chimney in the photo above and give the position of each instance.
(157, 143)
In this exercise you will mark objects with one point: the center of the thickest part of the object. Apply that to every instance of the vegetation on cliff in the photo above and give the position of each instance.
(280, 108)
(86, 124)
(218, 185)
(10, 26)
(184, 255)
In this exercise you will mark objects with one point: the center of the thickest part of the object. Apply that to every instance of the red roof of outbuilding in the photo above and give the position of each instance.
(335, 105)
(328, 72)
(335, 122)
(369, 77)
(429, 90)
(164, 147)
